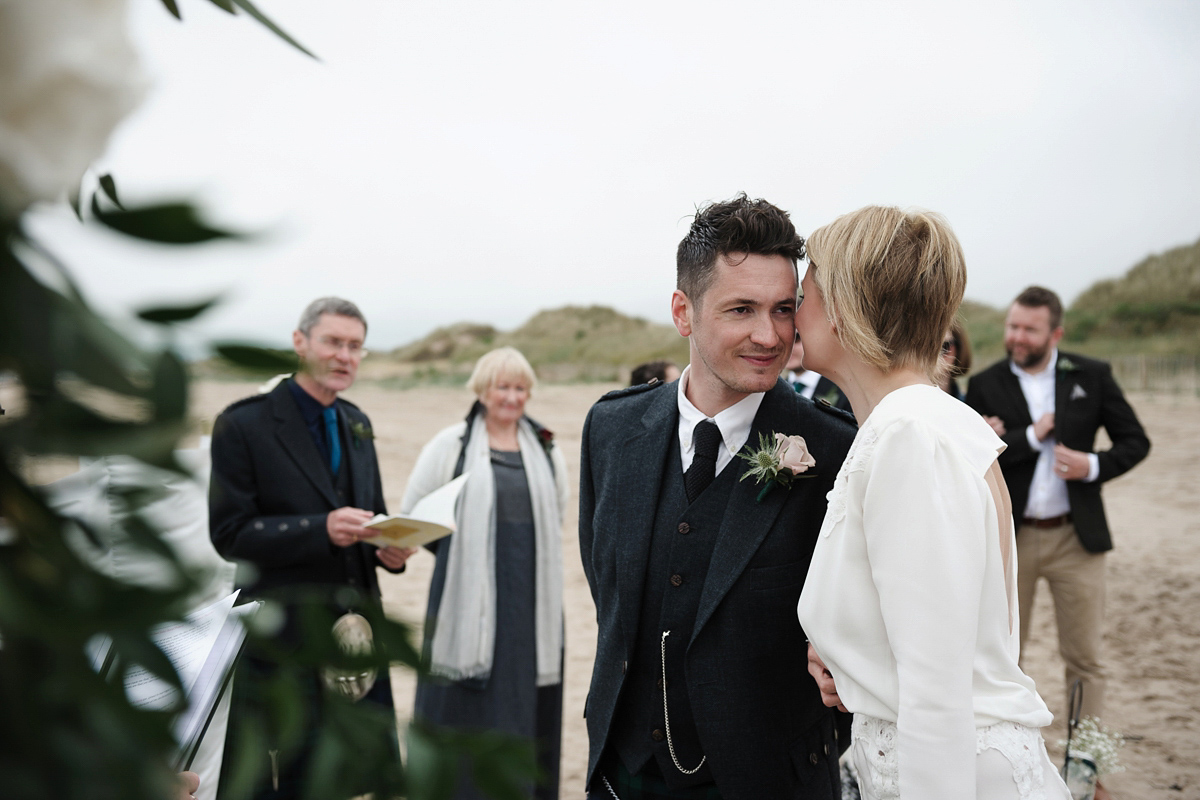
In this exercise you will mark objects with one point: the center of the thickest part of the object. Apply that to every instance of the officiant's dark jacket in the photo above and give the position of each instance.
(724, 576)
(1086, 398)
(271, 490)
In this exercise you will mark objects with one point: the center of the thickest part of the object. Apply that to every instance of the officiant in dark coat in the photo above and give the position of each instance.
(294, 478)
(699, 688)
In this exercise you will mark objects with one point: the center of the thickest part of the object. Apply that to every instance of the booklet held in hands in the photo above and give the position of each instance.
(431, 518)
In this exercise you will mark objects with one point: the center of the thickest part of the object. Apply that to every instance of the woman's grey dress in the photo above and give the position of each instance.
(510, 700)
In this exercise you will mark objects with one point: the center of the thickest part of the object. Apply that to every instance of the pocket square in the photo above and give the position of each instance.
(1077, 392)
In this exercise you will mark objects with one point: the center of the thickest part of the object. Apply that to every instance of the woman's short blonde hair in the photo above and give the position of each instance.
(503, 362)
(892, 282)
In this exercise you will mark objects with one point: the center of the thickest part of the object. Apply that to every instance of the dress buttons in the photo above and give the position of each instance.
(684, 528)
(258, 526)
(283, 526)
(826, 749)
(677, 580)
(656, 735)
(659, 683)
(304, 522)
(814, 759)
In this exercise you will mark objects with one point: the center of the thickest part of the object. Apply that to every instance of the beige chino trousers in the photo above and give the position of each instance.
(1076, 579)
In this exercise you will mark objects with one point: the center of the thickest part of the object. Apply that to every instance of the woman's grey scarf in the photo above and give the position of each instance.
(464, 637)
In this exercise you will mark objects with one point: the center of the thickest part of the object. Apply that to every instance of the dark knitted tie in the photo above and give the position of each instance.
(700, 474)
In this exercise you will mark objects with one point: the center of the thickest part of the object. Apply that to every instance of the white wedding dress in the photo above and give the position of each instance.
(910, 600)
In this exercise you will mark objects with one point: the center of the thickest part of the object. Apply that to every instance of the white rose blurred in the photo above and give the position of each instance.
(68, 75)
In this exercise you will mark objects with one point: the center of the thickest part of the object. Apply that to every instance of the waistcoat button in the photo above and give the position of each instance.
(684, 528)
(677, 580)
(656, 735)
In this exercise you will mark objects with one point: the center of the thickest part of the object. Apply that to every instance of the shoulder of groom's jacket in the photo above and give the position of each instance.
(630, 391)
(840, 414)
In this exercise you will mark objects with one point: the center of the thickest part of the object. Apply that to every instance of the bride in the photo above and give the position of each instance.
(910, 598)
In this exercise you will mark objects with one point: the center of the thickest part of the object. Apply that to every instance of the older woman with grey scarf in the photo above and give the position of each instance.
(494, 624)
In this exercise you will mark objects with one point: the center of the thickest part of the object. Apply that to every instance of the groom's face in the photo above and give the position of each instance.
(741, 330)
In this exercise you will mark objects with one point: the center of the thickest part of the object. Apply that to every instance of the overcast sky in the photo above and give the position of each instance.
(451, 161)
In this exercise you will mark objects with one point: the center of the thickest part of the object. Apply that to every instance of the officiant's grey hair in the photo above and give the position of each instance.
(329, 305)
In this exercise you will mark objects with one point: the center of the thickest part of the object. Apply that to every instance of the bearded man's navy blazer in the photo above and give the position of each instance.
(757, 711)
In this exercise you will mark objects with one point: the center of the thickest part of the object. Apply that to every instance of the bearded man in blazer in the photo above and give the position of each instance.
(294, 478)
(1048, 406)
(699, 687)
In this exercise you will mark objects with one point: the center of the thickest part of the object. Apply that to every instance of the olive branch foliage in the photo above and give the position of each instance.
(65, 730)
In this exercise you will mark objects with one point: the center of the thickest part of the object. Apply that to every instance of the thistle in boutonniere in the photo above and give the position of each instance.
(1067, 365)
(778, 462)
(361, 433)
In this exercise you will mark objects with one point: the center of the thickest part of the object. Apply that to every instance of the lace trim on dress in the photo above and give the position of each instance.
(1020, 745)
(883, 769)
(856, 461)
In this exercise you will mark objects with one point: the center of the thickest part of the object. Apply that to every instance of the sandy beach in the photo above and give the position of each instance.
(1153, 632)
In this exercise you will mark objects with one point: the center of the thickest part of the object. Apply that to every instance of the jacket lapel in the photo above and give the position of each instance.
(746, 522)
(1016, 398)
(645, 453)
(297, 442)
(1062, 388)
(359, 462)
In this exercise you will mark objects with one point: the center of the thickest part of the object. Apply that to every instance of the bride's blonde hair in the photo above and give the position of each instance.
(891, 281)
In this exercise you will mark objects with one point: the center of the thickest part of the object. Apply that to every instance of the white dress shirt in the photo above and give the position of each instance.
(1047, 491)
(734, 423)
(906, 599)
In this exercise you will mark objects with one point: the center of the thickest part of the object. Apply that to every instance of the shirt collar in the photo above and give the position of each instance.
(734, 422)
(1049, 370)
(310, 408)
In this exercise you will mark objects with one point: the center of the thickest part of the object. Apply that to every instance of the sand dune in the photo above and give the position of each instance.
(1153, 635)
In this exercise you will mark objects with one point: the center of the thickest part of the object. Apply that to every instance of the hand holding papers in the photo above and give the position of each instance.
(431, 518)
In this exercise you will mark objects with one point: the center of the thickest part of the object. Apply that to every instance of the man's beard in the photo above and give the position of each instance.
(1032, 357)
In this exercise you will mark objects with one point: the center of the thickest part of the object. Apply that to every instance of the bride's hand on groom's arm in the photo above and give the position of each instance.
(824, 679)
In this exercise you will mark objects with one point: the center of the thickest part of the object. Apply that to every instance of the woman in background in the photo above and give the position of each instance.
(910, 599)
(956, 356)
(494, 624)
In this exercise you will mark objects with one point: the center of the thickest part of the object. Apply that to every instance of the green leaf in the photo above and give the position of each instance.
(250, 9)
(432, 766)
(225, 5)
(166, 315)
(173, 8)
(74, 197)
(259, 359)
(110, 188)
(166, 223)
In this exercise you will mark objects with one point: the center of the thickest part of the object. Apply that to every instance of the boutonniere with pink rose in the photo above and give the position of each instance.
(779, 460)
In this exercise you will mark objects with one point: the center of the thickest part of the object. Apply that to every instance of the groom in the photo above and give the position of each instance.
(699, 688)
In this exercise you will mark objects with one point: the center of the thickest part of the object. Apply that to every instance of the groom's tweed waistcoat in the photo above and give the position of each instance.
(680, 550)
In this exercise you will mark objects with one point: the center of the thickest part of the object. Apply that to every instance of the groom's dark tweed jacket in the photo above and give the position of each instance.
(757, 713)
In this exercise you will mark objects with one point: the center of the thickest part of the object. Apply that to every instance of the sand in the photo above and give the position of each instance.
(1153, 633)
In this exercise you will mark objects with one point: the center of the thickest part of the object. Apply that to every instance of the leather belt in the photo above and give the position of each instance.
(1048, 522)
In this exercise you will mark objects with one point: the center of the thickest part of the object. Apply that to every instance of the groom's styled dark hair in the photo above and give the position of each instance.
(738, 226)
